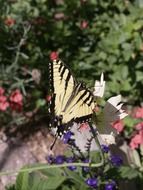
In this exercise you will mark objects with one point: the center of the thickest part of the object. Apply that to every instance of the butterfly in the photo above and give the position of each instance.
(71, 100)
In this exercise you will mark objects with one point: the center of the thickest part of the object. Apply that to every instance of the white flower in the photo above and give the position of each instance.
(107, 139)
(112, 112)
(81, 137)
(99, 87)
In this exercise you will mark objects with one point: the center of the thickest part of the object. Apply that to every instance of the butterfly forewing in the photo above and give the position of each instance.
(79, 107)
(63, 83)
(72, 100)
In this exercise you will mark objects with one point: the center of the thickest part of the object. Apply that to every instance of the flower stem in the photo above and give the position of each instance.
(92, 127)
(35, 168)
(22, 40)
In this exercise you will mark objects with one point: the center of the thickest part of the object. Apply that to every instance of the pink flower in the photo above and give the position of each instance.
(3, 103)
(83, 127)
(139, 126)
(16, 96)
(136, 140)
(54, 55)
(138, 112)
(48, 98)
(16, 100)
(3, 98)
(84, 24)
(118, 125)
(10, 22)
(4, 106)
(1, 91)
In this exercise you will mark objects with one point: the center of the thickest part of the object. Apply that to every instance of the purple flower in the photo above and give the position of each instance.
(67, 136)
(59, 159)
(92, 182)
(70, 160)
(50, 159)
(110, 185)
(105, 148)
(86, 168)
(116, 160)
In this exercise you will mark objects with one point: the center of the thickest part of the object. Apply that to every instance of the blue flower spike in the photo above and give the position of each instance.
(59, 159)
(105, 148)
(92, 182)
(50, 159)
(110, 185)
(116, 160)
(67, 136)
(70, 160)
(86, 168)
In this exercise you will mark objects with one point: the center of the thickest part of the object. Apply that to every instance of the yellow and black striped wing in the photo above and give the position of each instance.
(72, 101)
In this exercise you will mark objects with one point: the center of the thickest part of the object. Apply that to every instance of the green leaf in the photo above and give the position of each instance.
(126, 86)
(140, 3)
(11, 187)
(22, 181)
(130, 122)
(49, 179)
(139, 76)
(75, 177)
(128, 172)
(99, 120)
(52, 172)
(136, 158)
(23, 55)
(50, 184)
(34, 179)
(102, 55)
(40, 103)
(141, 149)
(95, 156)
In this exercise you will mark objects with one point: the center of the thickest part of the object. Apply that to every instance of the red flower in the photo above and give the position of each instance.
(16, 100)
(54, 55)
(16, 106)
(10, 22)
(138, 112)
(1, 91)
(118, 125)
(84, 24)
(48, 98)
(3, 103)
(136, 140)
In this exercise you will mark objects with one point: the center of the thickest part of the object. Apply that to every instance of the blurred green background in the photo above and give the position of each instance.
(91, 36)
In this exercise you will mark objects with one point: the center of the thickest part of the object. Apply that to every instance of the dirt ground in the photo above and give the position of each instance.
(16, 151)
